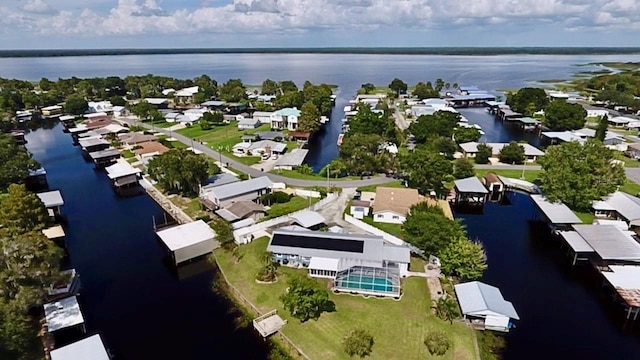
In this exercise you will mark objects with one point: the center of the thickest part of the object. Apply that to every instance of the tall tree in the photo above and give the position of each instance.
(362, 153)
(22, 211)
(288, 86)
(143, 110)
(601, 130)
(305, 299)
(309, 120)
(439, 84)
(269, 87)
(233, 90)
(440, 124)
(180, 170)
(366, 121)
(15, 162)
(463, 134)
(528, 100)
(427, 170)
(463, 168)
(578, 174)
(75, 105)
(512, 153)
(358, 342)
(367, 88)
(430, 230)
(483, 154)
(447, 309)
(560, 115)
(398, 86)
(424, 91)
(463, 258)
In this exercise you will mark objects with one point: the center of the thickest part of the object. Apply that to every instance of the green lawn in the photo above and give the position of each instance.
(392, 183)
(128, 154)
(296, 175)
(393, 229)
(191, 206)
(163, 125)
(296, 203)
(398, 327)
(586, 217)
(630, 187)
(529, 175)
(628, 162)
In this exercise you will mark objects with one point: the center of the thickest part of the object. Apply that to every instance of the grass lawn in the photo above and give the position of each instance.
(296, 203)
(630, 187)
(628, 162)
(529, 175)
(586, 217)
(296, 175)
(393, 229)
(417, 264)
(191, 206)
(163, 125)
(392, 184)
(398, 327)
(128, 154)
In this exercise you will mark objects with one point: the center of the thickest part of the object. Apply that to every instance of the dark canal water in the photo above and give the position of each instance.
(563, 313)
(128, 294)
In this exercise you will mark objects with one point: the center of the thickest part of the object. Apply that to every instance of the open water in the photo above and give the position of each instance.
(143, 311)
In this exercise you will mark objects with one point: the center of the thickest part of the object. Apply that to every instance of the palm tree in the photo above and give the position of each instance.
(447, 309)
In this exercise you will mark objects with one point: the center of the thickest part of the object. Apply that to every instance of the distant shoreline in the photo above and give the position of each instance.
(459, 51)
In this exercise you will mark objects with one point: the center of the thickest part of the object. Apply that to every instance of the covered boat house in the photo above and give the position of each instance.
(88, 348)
(557, 215)
(484, 305)
(52, 201)
(188, 241)
(470, 191)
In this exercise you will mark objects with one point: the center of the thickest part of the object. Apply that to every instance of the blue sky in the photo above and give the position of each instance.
(54, 24)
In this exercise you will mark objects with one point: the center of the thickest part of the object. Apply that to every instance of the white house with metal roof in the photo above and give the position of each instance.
(470, 149)
(485, 306)
(221, 196)
(291, 160)
(188, 241)
(52, 201)
(360, 264)
(91, 348)
(619, 205)
(286, 118)
(248, 123)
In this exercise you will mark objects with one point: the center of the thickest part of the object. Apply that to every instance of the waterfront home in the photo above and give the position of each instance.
(291, 160)
(359, 208)
(485, 307)
(610, 138)
(470, 191)
(218, 180)
(51, 111)
(263, 116)
(248, 123)
(185, 96)
(392, 205)
(63, 314)
(359, 264)
(213, 104)
(123, 175)
(130, 140)
(557, 215)
(188, 241)
(270, 135)
(147, 150)
(88, 348)
(52, 201)
(286, 118)
(221, 196)
(243, 209)
(470, 149)
(100, 106)
(259, 147)
(308, 219)
(619, 206)
(158, 103)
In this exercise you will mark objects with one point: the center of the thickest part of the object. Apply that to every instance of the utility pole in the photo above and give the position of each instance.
(328, 183)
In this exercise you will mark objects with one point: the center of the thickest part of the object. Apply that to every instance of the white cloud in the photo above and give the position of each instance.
(38, 7)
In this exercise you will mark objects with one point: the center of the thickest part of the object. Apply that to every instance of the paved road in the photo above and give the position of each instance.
(401, 121)
(376, 180)
(633, 174)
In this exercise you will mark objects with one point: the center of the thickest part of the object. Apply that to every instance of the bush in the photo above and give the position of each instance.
(205, 218)
(358, 342)
(437, 343)
(491, 345)
(277, 197)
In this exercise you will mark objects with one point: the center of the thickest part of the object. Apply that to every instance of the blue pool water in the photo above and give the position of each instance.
(367, 283)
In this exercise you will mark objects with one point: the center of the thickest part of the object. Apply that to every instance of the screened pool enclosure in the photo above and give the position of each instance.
(369, 280)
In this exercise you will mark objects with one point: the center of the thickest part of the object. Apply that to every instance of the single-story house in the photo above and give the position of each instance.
(243, 209)
(356, 263)
(359, 208)
(172, 116)
(271, 135)
(88, 348)
(149, 149)
(119, 111)
(158, 103)
(135, 138)
(221, 196)
(470, 149)
(620, 206)
(392, 205)
(286, 118)
(291, 160)
(248, 123)
(263, 116)
(99, 106)
(610, 138)
(213, 104)
(308, 219)
(188, 241)
(260, 147)
(620, 120)
(218, 180)
(185, 96)
(485, 306)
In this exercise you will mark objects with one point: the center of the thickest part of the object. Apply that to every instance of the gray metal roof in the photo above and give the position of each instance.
(270, 135)
(396, 253)
(51, 198)
(226, 215)
(294, 158)
(307, 218)
(609, 242)
(479, 299)
(576, 241)
(104, 154)
(624, 204)
(556, 212)
(63, 313)
(220, 179)
(470, 185)
(88, 348)
(84, 143)
(232, 190)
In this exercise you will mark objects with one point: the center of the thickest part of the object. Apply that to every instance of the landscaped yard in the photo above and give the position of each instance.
(128, 154)
(392, 184)
(191, 206)
(398, 327)
(586, 217)
(529, 175)
(296, 203)
(630, 187)
(393, 229)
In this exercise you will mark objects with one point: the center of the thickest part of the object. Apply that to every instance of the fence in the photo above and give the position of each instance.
(308, 193)
(243, 235)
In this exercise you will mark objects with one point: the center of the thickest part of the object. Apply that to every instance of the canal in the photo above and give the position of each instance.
(563, 312)
(129, 295)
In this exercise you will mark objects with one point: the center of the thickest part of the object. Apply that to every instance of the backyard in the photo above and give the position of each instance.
(398, 327)
(296, 203)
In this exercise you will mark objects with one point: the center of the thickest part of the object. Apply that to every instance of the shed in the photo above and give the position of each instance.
(188, 241)
(308, 219)
(556, 212)
(90, 348)
(292, 160)
(479, 300)
(63, 314)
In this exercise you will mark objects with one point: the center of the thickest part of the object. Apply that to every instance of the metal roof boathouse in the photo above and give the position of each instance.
(484, 305)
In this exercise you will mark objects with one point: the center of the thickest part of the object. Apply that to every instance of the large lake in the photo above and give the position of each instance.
(144, 311)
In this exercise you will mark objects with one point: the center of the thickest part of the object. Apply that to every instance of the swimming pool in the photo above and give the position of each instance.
(367, 283)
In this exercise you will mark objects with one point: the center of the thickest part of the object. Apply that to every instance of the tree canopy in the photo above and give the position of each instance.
(430, 230)
(561, 115)
(309, 120)
(463, 168)
(577, 174)
(463, 258)
(425, 91)
(180, 170)
(427, 170)
(601, 130)
(15, 162)
(528, 100)
(440, 124)
(463, 134)
(22, 211)
(366, 121)
(512, 153)
(398, 86)
(305, 299)
(483, 154)
(269, 87)
(358, 342)
(76, 105)
(233, 90)
(362, 153)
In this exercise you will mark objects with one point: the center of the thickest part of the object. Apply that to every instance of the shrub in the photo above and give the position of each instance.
(277, 197)
(437, 343)
(358, 342)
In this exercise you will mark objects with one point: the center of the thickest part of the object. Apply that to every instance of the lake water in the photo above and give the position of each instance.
(346, 71)
(143, 311)
(129, 296)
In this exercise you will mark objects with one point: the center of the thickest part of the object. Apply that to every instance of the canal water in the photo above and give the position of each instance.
(129, 294)
(563, 312)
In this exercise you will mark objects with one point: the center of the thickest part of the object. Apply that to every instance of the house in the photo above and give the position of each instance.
(213, 104)
(158, 103)
(359, 208)
(419, 110)
(271, 135)
(188, 241)
(438, 104)
(88, 348)
(52, 201)
(610, 138)
(484, 305)
(262, 116)
(248, 123)
(291, 160)
(172, 116)
(470, 149)
(619, 206)
(221, 196)
(260, 147)
(599, 113)
(620, 120)
(359, 264)
(392, 205)
(169, 91)
(100, 106)
(243, 209)
(63, 314)
(218, 180)
(135, 138)
(149, 149)
(286, 118)
(308, 219)
(185, 96)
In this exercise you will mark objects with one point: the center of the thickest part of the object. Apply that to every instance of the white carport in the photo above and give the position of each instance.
(188, 241)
